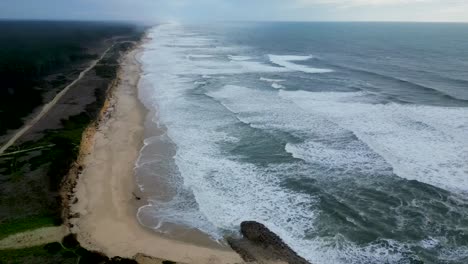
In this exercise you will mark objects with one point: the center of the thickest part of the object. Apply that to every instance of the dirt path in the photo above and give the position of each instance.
(46, 108)
(34, 237)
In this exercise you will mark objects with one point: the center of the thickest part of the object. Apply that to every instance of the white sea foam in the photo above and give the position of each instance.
(326, 143)
(274, 82)
(277, 86)
(287, 62)
(223, 188)
(430, 243)
(290, 57)
(424, 143)
(189, 42)
(271, 80)
(200, 56)
(205, 63)
(239, 58)
(330, 146)
(216, 191)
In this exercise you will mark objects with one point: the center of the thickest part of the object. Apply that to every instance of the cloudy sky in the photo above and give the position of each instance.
(252, 10)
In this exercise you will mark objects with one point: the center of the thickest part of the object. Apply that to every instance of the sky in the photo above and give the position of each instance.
(246, 10)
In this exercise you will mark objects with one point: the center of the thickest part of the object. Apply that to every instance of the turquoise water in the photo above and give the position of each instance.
(349, 140)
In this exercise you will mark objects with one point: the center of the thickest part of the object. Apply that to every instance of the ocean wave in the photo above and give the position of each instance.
(331, 151)
(402, 83)
(271, 80)
(423, 143)
(239, 58)
(321, 145)
(286, 61)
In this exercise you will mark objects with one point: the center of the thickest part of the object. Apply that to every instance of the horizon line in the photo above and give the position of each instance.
(226, 21)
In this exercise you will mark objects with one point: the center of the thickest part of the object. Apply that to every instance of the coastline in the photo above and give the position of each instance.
(103, 211)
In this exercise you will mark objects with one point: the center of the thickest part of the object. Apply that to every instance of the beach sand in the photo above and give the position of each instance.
(104, 196)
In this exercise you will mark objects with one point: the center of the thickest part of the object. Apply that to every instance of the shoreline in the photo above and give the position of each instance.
(104, 204)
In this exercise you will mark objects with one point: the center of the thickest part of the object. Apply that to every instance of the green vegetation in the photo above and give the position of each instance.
(35, 58)
(66, 143)
(31, 51)
(109, 64)
(52, 164)
(106, 71)
(35, 255)
(31, 177)
(26, 224)
(69, 251)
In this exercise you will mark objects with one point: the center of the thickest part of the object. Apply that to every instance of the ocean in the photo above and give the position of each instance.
(348, 140)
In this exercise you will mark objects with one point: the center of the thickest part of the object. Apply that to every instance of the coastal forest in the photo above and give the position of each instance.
(38, 59)
(30, 51)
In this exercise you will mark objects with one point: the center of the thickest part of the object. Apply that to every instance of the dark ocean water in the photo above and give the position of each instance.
(349, 140)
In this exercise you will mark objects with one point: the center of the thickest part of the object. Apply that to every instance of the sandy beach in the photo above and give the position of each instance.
(104, 198)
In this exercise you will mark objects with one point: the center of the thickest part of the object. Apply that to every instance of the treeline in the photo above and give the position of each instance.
(32, 50)
(31, 178)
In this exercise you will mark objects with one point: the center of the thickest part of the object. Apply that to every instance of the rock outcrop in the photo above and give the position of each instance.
(261, 245)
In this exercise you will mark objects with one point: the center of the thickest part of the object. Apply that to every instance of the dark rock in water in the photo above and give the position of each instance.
(268, 245)
(259, 233)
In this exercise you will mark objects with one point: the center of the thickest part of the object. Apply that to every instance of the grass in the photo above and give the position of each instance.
(106, 71)
(68, 251)
(64, 147)
(56, 160)
(52, 163)
(35, 172)
(26, 224)
(37, 254)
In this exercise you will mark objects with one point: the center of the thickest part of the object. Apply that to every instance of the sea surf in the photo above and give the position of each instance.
(352, 147)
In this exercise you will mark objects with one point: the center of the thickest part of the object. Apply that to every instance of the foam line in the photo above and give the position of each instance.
(336, 135)
(286, 61)
(271, 80)
(424, 143)
(239, 58)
